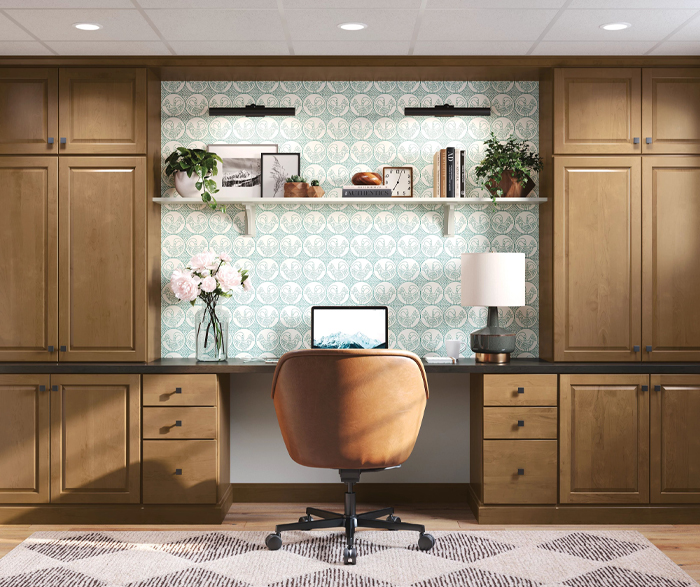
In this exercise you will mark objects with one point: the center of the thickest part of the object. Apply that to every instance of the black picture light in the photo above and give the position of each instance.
(253, 110)
(446, 110)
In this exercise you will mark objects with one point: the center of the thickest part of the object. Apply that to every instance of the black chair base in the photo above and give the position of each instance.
(350, 520)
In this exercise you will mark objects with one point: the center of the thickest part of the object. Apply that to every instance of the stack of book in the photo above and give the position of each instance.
(449, 173)
(366, 191)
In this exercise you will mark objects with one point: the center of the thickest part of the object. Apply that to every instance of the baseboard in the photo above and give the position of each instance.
(381, 493)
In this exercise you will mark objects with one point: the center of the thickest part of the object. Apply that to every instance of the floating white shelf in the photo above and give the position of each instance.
(448, 205)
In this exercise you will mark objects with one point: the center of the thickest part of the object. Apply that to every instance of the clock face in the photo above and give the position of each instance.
(400, 180)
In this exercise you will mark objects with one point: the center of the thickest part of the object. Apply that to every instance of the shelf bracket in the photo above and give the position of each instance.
(448, 220)
(250, 219)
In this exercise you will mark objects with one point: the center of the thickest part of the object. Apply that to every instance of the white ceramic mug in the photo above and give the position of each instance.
(455, 347)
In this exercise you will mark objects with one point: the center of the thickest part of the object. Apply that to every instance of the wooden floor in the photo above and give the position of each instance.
(680, 543)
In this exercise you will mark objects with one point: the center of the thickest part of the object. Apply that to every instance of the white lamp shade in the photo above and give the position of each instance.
(493, 279)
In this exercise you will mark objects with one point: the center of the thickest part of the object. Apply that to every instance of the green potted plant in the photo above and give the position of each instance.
(315, 190)
(193, 170)
(507, 167)
(295, 187)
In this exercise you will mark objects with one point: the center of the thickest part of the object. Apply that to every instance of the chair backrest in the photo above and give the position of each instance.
(349, 409)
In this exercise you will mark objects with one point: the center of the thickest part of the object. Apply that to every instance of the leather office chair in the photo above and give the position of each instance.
(352, 410)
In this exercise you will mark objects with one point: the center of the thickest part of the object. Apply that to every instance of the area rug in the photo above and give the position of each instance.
(314, 559)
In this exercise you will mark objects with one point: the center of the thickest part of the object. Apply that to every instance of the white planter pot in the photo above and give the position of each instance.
(185, 186)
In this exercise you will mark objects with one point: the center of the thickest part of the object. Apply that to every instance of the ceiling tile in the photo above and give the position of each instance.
(218, 25)
(9, 31)
(472, 47)
(23, 48)
(57, 25)
(210, 4)
(44, 4)
(322, 25)
(344, 4)
(647, 25)
(351, 47)
(109, 47)
(678, 48)
(593, 48)
(492, 4)
(689, 32)
(230, 47)
(635, 4)
(484, 25)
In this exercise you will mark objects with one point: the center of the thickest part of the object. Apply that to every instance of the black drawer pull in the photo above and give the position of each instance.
(636, 348)
(178, 422)
(50, 348)
(63, 348)
(645, 388)
(521, 471)
(521, 422)
(42, 388)
(178, 390)
(178, 471)
(657, 388)
(648, 348)
(521, 390)
(54, 388)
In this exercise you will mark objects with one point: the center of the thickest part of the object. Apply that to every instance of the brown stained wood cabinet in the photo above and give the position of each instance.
(95, 439)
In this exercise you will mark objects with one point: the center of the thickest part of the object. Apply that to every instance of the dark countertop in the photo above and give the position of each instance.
(241, 366)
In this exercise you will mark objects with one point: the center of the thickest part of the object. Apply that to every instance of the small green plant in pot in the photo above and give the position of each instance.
(295, 187)
(193, 170)
(507, 167)
(315, 190)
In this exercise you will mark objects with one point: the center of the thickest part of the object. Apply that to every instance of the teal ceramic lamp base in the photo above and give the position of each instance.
(492, 344)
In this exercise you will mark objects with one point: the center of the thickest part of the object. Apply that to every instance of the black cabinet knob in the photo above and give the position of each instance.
(63, 348)
(521, 390)
(54, 388)
(648, 140)
(51, 348)
(42, 388)
(657, 388)
(178, 422)
(521, 422)
(178, 471)
(636, 348)
(178, 390)
(50, 140)
(636, 140)
(648, 348)
(645, 388)
(521, 471)
(63, 140)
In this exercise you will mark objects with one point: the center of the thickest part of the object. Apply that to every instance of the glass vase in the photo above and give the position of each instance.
(211, 333)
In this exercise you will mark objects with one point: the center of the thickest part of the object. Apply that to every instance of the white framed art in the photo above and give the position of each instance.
(240, 175)
(276, 168)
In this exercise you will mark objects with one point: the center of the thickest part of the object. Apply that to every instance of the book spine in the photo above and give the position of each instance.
(458, 170)
(443, 172)
(385, 193)
(450, 172)
(462, 175)
(436, 174)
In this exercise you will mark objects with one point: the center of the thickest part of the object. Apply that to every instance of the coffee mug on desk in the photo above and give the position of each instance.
(455, 347)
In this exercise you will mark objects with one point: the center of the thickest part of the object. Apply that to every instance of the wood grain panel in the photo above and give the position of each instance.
(597, 111)
(28, 111)
(671, 250)
(29, 258)
(24, 438)
(476, 433)
(102, 258)
(675, 443)
(194, 390)
(504, 390)
(196, 423)
(597, 250)
(604, 439)
(95, 423)
(537, 423)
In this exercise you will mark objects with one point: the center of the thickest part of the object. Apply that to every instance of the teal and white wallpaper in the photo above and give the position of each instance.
(387, 254)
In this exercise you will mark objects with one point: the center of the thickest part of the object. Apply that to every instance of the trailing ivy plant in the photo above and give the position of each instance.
(511, 155)
(199, 162)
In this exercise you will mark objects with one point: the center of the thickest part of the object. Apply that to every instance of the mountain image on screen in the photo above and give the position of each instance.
(341, 340)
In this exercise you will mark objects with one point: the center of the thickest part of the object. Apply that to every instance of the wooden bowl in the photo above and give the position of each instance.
(366, 178)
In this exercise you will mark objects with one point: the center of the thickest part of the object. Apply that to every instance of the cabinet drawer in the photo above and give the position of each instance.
(520, 390)
(504, 460)
(179, 423)
(518, 423)
(179, 471)
(179, 390)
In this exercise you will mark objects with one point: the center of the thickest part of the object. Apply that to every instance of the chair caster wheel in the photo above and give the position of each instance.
(305, 519)
(426, 542)
(393, 519)
(350, 556)
(273, 541)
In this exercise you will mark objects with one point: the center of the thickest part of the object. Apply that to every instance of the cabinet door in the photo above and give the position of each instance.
(597, 111)
(103, 111)
(95, 454)
(671, 252)
(604, 439)
(28, 111)
(24, 438)
(597, 258)
(675, 443)
(102, 258)
(671, 111)
(28, 258)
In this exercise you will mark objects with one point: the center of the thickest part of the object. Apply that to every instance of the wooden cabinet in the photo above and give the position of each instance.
(671, 111)
(24, 438)
(597, 259)
(29, 258)
(95, 441)
(675, 443)
(604, 439)
(28, 111)
(597, 111)
(102, 111)
(671, 258)
(102, 258)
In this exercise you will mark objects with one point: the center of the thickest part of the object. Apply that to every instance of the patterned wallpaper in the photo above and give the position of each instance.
(394, 255)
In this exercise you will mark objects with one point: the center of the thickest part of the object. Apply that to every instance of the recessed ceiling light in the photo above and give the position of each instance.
(615, 26)
(87, 26)
(352, 26)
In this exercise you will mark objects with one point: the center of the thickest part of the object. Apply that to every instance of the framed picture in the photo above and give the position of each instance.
(276, 168)
(240, 173)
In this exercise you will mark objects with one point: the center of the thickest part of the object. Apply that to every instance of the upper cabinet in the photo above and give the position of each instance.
(597, 111)
(671, 111)
(102, 111)
(28, 111)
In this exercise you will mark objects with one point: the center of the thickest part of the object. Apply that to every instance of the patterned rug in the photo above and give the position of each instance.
(385, 559)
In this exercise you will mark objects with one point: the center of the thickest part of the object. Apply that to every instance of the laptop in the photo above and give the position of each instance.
(349, 327)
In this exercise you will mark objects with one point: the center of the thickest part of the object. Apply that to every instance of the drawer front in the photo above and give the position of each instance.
(520, 423)
(179, 423)
(520, 390)
(179, 390)
(520, 471)
(179, 471)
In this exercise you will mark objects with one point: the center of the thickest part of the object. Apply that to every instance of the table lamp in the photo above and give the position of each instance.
(492, 280)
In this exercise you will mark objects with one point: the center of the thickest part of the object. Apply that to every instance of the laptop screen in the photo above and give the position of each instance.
(349, 327)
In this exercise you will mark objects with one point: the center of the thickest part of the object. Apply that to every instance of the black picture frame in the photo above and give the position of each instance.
(270, 181)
